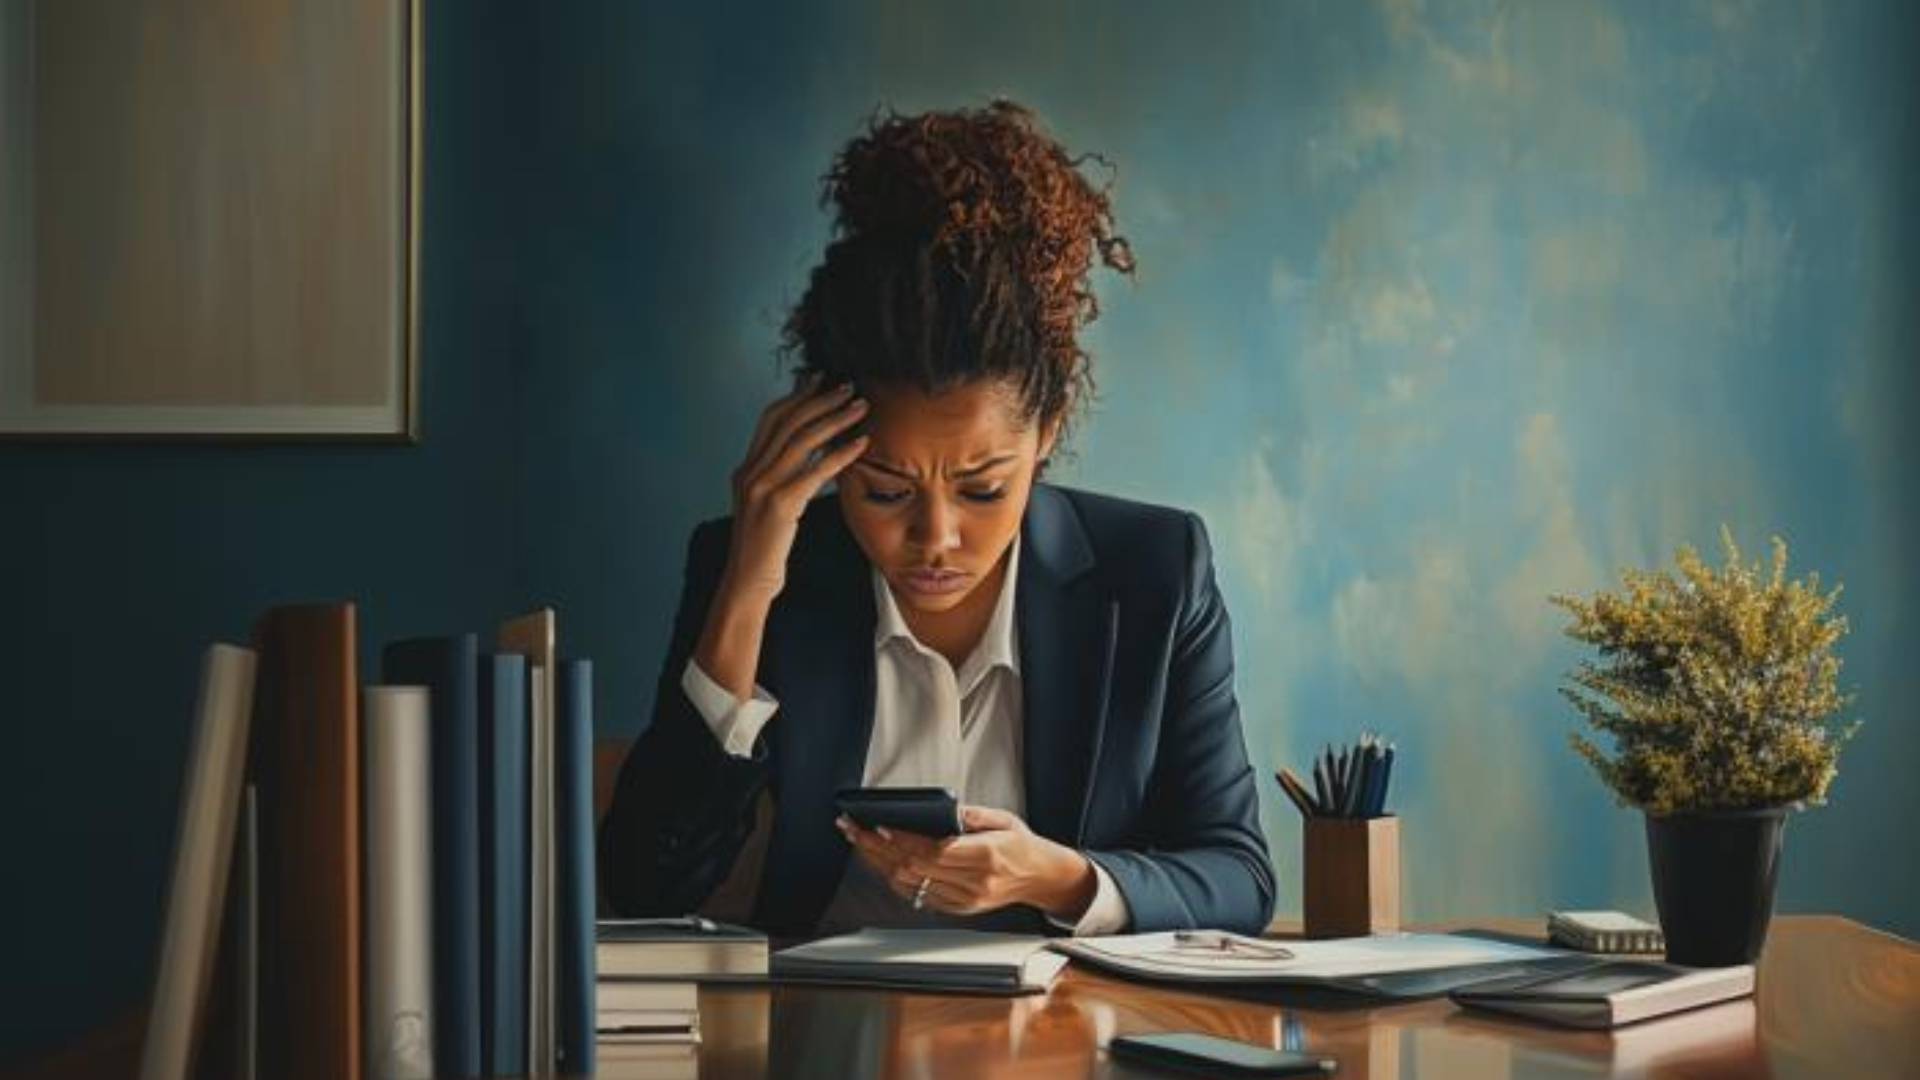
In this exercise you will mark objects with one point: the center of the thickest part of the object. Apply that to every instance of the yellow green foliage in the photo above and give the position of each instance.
(1717, 686)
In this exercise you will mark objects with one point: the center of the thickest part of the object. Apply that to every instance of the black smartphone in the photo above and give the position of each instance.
(1191, 1052)
(929, 811)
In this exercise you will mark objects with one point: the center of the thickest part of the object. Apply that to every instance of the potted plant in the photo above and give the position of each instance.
(1718, 688)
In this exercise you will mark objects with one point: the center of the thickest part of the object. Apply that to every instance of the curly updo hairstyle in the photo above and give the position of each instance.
(962, 243)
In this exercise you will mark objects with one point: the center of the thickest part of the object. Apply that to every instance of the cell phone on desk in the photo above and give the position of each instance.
(929, 811)
(1192, 1052)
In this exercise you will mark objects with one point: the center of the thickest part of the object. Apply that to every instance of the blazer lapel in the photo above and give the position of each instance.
(1067, 631)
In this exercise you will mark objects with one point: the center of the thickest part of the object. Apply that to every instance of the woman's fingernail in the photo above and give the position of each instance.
(885, 833)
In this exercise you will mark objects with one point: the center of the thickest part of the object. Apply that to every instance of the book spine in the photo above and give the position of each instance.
(399, 915)
(503, 862)
(541, 1055)
(244, 910)
(305, 764)
(449, 668)
(574, 893)
(203, 852)
(533, 635)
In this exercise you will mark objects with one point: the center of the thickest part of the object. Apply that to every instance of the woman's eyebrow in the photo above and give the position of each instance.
(966, 473)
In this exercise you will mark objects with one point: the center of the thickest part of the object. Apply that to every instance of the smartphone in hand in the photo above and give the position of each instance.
(928, 811)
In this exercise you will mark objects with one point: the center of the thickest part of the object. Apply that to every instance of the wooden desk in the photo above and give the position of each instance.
(1836, 1000)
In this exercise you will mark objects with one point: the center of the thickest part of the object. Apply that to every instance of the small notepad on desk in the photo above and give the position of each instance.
(948, 960)
(1604, 932)
(1611, 992)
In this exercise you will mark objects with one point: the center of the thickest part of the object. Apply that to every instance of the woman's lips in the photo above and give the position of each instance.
(935, 582)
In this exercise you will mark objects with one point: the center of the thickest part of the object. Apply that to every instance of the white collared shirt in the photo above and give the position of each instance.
(933, 726)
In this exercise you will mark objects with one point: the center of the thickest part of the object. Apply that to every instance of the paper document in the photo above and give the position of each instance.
(1349, 963)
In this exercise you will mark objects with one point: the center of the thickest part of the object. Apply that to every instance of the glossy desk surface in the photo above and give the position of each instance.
(1835, 1000)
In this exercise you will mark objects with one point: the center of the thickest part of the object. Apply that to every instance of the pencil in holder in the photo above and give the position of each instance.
(1352, 878)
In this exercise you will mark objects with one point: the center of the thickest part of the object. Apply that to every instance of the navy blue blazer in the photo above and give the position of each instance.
(1132, 745)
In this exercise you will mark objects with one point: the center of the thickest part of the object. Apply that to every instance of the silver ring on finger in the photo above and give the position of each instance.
(920, 894)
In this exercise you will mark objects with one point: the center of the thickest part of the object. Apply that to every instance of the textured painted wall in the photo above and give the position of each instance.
(1442, 308)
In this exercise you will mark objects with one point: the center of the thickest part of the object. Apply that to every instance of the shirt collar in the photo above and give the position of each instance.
(997, 647)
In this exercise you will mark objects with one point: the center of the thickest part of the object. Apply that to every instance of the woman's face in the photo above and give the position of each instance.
(936, 500)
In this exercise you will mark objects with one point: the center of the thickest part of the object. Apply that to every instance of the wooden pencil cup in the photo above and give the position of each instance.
(1352, 879)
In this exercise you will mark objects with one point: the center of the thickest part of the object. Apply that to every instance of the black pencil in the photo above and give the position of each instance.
(1296, 791)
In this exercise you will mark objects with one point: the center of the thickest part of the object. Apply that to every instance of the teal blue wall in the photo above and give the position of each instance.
(121, 562)
(1442, 307)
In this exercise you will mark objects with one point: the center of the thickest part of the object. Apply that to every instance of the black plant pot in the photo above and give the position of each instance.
(1713, 877)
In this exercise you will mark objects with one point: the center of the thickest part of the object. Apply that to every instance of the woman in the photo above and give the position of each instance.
(1060, 660)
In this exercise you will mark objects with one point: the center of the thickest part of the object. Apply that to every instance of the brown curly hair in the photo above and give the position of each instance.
(962, 245)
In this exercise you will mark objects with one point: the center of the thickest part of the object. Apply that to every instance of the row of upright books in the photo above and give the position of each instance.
(393, 880)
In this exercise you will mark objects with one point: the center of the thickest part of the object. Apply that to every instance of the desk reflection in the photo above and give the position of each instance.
(807, 1033)
(792, 1033)
(1834, 999)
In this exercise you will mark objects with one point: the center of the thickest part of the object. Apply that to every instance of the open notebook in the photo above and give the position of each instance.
(947, 960)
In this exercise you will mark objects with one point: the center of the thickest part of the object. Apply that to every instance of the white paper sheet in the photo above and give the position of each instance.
(1244, 959)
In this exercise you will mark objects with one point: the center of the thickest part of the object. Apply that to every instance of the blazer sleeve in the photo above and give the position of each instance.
(1205, 860)
(682, 807)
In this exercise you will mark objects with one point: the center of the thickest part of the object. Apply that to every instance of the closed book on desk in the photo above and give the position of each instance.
(634, 995)
(966, 961)
(689, 948)
(305, 766)
(1609, 993)
(629, 1007)
(675, 1059)
(399, 919)
(503, 862)
(202, 857)
(449, 668)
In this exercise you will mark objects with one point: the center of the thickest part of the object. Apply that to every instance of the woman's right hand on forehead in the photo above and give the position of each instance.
(789, 459)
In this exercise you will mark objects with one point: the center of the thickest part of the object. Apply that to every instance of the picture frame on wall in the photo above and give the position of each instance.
(209, 218)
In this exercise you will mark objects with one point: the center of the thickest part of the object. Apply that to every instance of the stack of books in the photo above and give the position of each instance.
(392, 880)
(648, 1029)
(649, 975)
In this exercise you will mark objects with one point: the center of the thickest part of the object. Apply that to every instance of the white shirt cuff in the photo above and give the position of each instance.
(1106, 913)
(735, 723)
